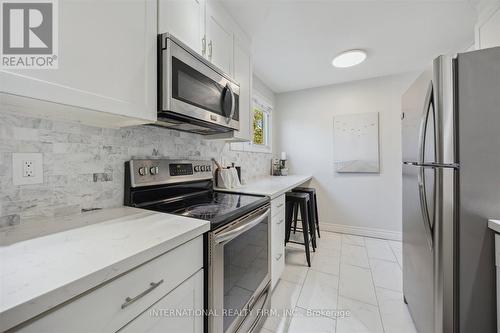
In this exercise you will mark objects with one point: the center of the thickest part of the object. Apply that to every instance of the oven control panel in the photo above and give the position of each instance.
(160, 171)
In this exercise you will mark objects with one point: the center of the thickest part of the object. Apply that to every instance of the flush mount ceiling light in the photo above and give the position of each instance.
(349, 58)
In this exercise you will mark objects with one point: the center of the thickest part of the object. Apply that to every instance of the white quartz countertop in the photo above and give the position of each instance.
(494, 224)
(272, 186)
(40, 273)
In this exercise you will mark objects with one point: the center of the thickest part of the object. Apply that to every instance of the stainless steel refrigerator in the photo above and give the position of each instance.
(451, 186)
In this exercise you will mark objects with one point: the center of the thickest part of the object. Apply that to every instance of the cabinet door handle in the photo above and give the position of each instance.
(281, 221)
(152, 286)
(210, 50)
(278, 257)
(203, 45)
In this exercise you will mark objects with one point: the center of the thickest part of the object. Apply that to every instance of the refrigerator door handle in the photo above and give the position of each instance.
(429, 97)
(424, 208)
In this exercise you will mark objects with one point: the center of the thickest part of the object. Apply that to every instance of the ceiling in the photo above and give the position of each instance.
(294, 41)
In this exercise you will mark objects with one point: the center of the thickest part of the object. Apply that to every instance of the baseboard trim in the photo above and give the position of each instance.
(362, 231)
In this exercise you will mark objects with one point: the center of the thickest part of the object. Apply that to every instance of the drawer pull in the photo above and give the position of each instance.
(152, 286)
(281, 221)
(280, 205)
(278, 257)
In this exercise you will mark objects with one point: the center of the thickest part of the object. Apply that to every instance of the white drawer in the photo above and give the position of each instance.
(187, 296)
(278, 231)
(278, 205)
(277, 265)
(278, 246)
(105, 308)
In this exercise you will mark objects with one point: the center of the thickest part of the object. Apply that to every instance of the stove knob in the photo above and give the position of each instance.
(196, 168)
(154, 170)
(143, 171)
(202, 168)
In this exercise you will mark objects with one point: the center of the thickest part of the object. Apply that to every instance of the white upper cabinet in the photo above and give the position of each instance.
(243, 75)
(107, 66)
(219, 37)
(185, 20)
(488, 31)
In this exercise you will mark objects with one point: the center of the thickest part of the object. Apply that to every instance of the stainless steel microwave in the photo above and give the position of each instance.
(193, 94)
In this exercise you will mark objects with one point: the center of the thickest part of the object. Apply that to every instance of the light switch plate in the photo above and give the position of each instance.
(27, 168)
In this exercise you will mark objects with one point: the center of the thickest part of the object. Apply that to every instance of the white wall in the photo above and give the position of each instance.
(488, 24)
(261, 88)
(303, 127)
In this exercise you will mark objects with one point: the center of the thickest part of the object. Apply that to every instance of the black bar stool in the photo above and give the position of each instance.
(297, 200)
(313, 205)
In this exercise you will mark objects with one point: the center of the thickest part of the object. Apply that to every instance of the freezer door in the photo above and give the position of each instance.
(414, 104)
(428, 118)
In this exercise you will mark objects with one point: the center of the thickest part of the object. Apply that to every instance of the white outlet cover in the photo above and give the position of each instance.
(18, 160)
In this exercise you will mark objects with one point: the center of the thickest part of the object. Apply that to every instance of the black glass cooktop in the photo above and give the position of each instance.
(217, 207)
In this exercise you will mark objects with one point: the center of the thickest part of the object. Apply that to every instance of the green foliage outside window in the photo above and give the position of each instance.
(258, 127)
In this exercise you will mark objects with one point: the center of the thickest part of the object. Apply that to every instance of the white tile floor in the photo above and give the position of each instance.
(360, 276)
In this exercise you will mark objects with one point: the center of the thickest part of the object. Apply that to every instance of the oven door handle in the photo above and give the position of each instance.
(233, 233)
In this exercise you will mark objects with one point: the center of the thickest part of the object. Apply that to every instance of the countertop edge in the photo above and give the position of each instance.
(273, 195)
(38, 305)
(494, 225)
(288, 188)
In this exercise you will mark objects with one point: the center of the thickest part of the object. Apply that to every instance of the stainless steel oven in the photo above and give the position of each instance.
(239, 273)
(237, 255)
(193, 94)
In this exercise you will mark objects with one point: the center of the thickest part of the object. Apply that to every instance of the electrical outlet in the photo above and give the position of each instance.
(27, 168)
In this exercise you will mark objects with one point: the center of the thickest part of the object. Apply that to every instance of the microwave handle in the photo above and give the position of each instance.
(233, 103)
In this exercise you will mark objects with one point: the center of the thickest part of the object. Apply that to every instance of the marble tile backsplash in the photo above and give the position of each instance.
(84, 166)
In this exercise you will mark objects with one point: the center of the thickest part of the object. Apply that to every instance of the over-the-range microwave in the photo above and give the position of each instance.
(193, 94)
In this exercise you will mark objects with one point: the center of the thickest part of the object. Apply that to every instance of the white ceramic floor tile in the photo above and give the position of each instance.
(319, 292)
(329, 240)
(326, 261)
(354, 255)
(284, 297)
(304, 323)
(356, 283)
(363, 318)
(394, 312)
(344, 272)
(379, 249)
(294, 274)
(387, 274)
(295, 267)
(296, 255)
(397, 249)
(354, 240)
(265, 330)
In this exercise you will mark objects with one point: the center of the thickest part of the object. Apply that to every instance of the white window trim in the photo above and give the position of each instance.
(256, 148)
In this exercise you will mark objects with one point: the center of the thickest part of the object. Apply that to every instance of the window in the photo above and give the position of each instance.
(260, 127)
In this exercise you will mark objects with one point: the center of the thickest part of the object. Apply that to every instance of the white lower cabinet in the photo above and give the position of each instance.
(112, 305)
(179, 311)
(277, 239)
